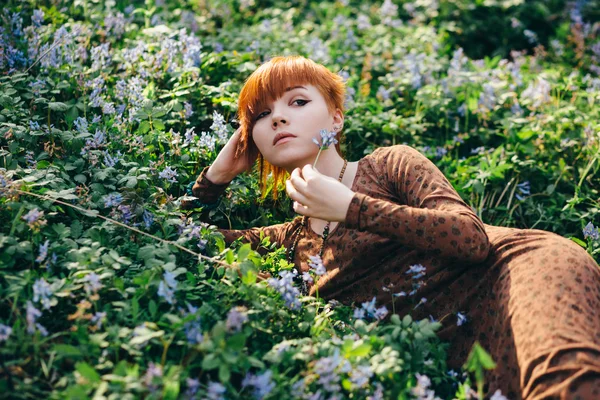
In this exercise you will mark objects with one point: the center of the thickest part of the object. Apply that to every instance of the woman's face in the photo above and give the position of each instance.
(302, 112)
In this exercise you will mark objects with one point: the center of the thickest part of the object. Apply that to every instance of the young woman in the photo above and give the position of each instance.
(391, 223)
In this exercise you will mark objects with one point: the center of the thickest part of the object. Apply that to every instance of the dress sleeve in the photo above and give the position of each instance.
(429, 215)
(209, 193)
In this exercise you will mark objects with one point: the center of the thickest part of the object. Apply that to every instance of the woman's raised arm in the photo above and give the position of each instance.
(430, 215)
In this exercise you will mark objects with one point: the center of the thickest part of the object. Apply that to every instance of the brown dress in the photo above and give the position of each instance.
(530, 297)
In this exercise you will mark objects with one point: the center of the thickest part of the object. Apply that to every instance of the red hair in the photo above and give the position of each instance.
(268, 83)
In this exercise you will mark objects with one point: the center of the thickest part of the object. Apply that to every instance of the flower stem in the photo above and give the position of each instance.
(317, 159)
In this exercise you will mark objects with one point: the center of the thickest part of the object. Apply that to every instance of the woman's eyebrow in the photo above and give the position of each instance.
(295, 87)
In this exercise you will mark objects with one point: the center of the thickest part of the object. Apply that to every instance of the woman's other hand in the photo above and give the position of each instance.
(226, 167)
(317, 195)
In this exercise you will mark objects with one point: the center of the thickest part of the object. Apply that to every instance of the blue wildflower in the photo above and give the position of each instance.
(285, 286)
(263, 385)
(368, 309)
(148, 218)
(5, 332)
(93, 283)
(38, 18)
(236, 318)
(317, 265)
(193, 329)
(461, 318)
(34, 125)
(215, 391)
(591, 231)
(113, 200)
(81, 124)
(98, 318)
(169, 174)
(43, 252)
(32, 315)
(42, 293)
(524, 189)
(327, 139)
(167, 287)
(219, 127)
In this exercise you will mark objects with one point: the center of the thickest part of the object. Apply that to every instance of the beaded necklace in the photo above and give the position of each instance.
(301, 282)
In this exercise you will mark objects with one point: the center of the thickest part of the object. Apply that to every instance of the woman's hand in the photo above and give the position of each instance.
(317, 195)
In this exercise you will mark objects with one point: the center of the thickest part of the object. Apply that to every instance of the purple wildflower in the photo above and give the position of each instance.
(591, 231)
(236, 318)
(317, 265)
(98, 318)
(5, 332)
(285, 286)
(215, 391)
(524, 190)
(167, 287)
(93, 283)
(113, 200)
(461, 319)
(43, 252)
(327, 138)
(169, 174)
(32, 315)
(263, 385)
(193, 329)
(42, 293)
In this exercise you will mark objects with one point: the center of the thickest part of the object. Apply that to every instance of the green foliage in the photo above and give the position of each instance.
(108, 111)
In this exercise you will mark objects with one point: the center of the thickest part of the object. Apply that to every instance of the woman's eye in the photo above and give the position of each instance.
(304, 102)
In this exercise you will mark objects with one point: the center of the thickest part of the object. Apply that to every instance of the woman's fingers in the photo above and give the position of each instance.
(294, 193)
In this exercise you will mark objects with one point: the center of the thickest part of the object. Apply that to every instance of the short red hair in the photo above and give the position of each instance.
(268, 83)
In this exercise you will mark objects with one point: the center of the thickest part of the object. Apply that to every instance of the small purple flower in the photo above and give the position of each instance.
(461, 319)
(42, 293)
(169, 174)
(317, 265)
(34, 125)
(43, 252)
(236, 318)
(285, 286)
(98, 318)
(188, 109)
(113, 200)
(5, 332)
(154, 371)
(32, 315)
(38, 18)
(215, 391)
(524, 190)
(327, 138)
(192, 387)
(369, 309)
(167, 287)
(591, 231)
(263, 385)
(306, 277)
(148, 218)
(416, 270)
(93, 283)
(193, 329)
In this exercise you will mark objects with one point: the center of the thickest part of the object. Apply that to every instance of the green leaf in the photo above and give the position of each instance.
(80, 178)
(360, 351)
(158, 124)
(144, 127)
(88, 372)
(66, 350)
(579, 242)
(243, 251)
(210, 362)
(224, 373)
(55, 106)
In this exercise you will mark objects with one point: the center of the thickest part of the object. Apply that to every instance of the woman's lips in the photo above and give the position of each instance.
(284, 140)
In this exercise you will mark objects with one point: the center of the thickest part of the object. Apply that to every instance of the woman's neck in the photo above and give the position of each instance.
(330, 163)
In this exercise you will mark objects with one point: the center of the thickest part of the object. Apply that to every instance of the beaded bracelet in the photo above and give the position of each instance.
(196, 202)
